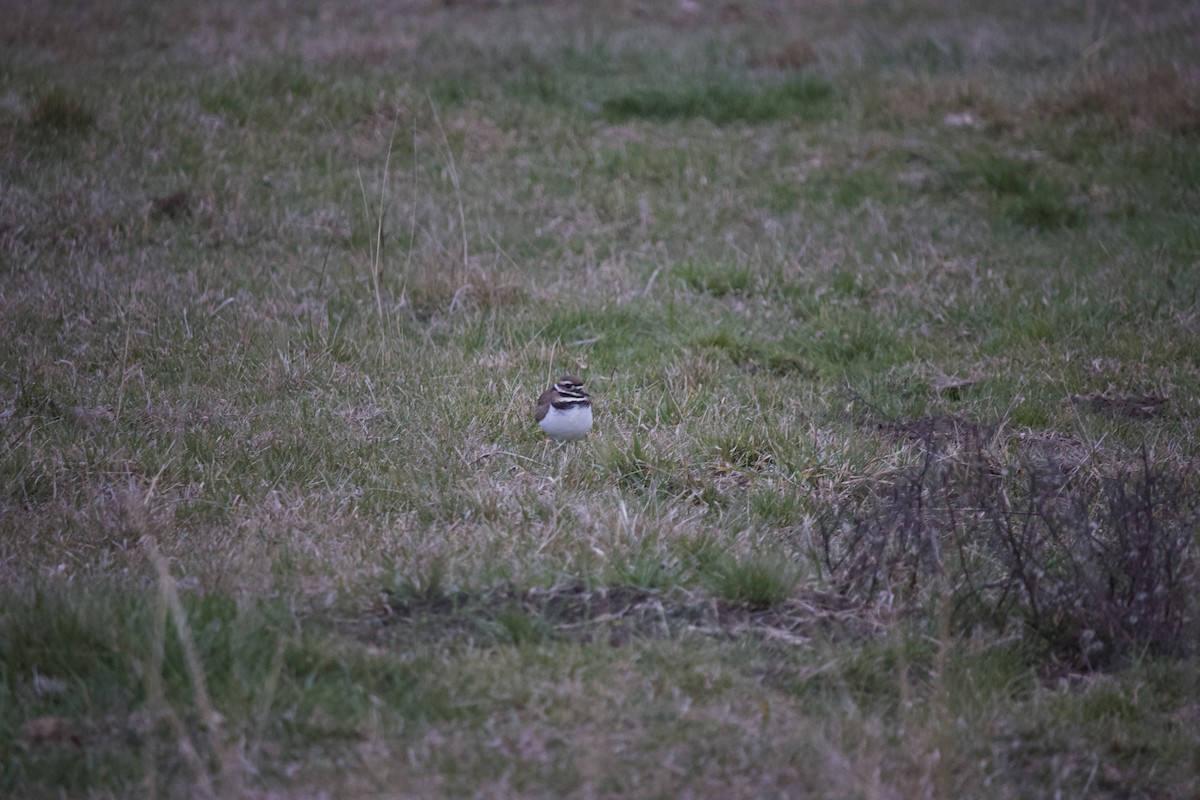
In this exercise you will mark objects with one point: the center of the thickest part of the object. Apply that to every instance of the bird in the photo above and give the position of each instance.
(564, 411)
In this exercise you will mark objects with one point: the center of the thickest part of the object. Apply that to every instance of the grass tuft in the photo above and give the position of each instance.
(759, 582)
(1043, 206)
(719, 279)
(58, 110)
(1005, 176)
(724, 103)
(1026, 196)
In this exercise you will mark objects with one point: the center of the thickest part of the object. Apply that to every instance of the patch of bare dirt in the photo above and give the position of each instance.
(53, 730)
(1130, 406)
(797, 54)
(942, 428)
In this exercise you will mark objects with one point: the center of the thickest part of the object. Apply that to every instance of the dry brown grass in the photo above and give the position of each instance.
(1162, 100)
(279, 285)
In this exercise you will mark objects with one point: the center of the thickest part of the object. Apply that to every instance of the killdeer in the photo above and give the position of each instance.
(565, 410)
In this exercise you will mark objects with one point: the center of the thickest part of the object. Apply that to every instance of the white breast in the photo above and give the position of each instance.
(567, 425)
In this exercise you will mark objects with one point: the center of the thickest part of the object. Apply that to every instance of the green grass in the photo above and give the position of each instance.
(854, 288)
(58, 111)
(759, 582)
(724, 103)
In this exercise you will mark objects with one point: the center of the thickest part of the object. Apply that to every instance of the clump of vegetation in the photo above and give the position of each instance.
(1005, 176)
(1044, 207)
(753, 355)
(1027, 197)
(718, 279)
(60, 111)
(722, 103)
(759, 582)
(1162, 98)
(1097, 570)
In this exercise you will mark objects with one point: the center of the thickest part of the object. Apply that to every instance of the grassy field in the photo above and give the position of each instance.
(891, 312)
